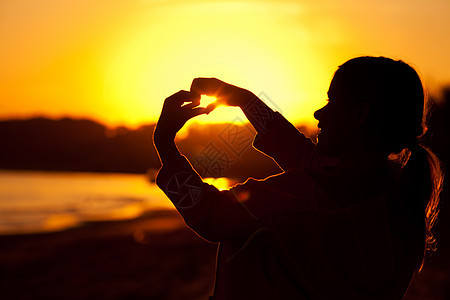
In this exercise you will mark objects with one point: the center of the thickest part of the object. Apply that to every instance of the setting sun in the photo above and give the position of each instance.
(207, 100)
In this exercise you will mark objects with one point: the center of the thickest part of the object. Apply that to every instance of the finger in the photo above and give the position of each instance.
(191, 105)
(207, 86)
(178, 97)
(196, 97)
(182, 96)
(195, 112)
(210, 108)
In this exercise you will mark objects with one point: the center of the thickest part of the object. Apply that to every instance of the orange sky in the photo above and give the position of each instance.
(117, 60)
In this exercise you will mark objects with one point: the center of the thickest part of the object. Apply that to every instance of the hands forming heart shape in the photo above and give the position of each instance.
(225, 93)
(184, 105)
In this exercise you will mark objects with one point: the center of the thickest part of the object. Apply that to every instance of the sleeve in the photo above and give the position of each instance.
(289, 148)
(292, 190)
(219, 215)
(285, 144)
(214, 215)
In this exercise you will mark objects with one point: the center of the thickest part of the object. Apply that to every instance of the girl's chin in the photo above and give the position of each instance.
(322, 146)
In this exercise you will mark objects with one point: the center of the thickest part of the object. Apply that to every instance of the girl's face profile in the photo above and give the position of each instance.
(335, 122)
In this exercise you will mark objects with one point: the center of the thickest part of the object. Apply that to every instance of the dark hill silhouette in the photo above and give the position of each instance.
(75, 145)
(87, 146)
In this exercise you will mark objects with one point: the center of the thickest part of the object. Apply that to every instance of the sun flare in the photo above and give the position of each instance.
(207, 100)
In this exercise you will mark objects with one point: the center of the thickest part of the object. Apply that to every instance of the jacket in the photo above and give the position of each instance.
(284, 237)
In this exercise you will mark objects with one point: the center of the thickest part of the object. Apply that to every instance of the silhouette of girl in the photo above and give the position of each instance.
(349, 218)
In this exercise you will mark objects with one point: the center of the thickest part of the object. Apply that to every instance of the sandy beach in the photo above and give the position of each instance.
(152, 257)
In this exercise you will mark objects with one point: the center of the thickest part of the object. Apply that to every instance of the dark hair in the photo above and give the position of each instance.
(399, 110)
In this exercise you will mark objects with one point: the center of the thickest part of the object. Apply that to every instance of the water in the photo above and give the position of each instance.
(48, 201)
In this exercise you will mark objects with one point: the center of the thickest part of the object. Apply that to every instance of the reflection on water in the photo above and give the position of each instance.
(221, 183)
(49, 201)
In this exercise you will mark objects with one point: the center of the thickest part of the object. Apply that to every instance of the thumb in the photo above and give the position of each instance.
(196, 112)
(210, 107)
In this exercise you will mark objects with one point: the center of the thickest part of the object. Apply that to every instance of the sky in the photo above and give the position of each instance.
(115, 61)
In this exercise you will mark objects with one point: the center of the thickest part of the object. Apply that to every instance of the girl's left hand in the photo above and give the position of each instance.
(175, 113)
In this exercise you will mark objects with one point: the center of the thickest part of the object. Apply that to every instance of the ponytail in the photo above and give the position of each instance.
(436, 180)
(422, 178)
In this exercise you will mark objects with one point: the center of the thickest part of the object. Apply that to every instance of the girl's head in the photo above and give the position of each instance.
(377, 105)
(375, 102)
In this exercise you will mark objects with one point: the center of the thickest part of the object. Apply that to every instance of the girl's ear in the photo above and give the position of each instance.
(362, 114)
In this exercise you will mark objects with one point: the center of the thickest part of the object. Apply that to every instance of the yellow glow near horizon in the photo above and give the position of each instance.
(221, 183)
(253, 51)
(116, 61)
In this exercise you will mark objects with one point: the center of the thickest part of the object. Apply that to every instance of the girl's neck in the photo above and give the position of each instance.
(363, 161)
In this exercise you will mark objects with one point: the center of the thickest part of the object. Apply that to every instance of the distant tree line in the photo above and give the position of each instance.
(75, 145)
(88, 146)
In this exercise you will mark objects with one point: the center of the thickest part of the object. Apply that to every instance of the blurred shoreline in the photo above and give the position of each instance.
(154, 256)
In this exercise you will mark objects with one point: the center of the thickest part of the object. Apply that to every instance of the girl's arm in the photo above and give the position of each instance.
(276, 137)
